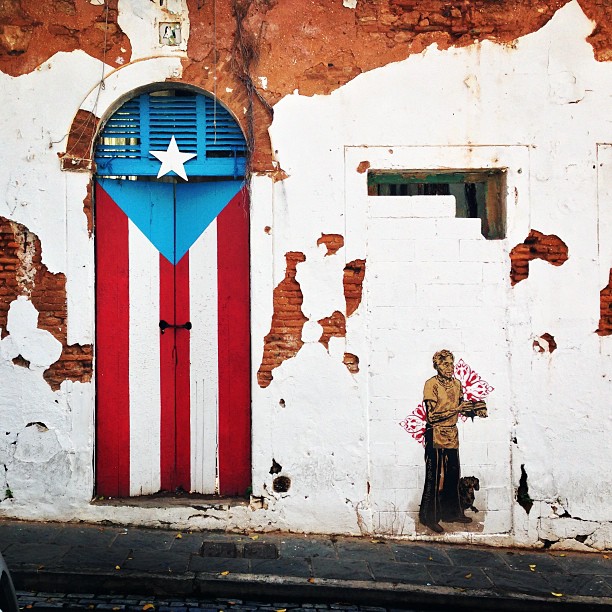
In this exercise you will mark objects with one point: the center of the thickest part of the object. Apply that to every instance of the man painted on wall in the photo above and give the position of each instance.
(443, 401)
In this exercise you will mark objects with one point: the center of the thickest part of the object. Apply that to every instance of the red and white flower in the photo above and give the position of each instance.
(474, 388)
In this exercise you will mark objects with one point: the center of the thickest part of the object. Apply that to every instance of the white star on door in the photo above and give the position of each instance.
(172, 160)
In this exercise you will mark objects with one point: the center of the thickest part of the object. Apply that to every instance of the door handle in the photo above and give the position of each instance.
(164, 325)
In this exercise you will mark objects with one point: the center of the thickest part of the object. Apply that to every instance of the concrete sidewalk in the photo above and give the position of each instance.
(80, 558)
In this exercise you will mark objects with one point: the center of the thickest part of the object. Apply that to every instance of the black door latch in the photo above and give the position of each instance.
(164, 325)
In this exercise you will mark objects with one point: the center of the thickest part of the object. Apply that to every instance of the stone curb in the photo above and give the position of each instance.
(383, 594)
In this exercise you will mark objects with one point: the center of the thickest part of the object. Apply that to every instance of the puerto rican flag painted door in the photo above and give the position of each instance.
(172, 337)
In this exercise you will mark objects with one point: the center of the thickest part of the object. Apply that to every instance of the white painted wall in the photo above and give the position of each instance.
(536, 108)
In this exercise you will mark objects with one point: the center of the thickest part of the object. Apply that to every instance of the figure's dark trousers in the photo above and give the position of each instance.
(440, 499)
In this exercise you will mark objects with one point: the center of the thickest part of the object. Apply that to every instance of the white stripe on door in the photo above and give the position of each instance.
(144, 364)
(204, 357)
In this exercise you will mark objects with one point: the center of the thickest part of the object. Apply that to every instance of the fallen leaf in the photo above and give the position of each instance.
(606, 556)
(281, 610)
(255, 537)
(225, 573)
(375, 541)
(41, 567)
(532, 567)
(562, 555)
(117, 608)
(148, 606)
(178, 536)
(28, 606)
(311, 580)
(117, 567)
(557, 594)
(468, 575)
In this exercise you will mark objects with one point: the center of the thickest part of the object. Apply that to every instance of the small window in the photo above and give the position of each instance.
(480, 194)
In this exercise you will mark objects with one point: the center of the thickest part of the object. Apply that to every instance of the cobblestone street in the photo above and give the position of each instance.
(88, 601)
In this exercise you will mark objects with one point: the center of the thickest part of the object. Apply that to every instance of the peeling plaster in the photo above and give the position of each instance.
(337, 482)
(536, 246)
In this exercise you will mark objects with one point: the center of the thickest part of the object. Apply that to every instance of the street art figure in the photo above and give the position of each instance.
(444, 403)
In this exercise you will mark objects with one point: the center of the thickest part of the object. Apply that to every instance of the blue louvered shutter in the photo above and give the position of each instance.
(148, 122)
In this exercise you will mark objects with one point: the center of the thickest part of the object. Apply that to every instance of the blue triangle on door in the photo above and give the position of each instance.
(150, 206)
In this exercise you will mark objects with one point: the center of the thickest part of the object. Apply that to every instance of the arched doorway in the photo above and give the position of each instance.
(172, 299)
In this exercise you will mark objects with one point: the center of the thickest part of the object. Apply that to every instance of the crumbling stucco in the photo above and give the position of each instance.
(235, 49)
(354, 273)
(285, 337)
(546, 343)
(333, 242)
(31, 32)
(22, 273)
(536, 246)
(605, 319)
(79, 149)
(333, 326)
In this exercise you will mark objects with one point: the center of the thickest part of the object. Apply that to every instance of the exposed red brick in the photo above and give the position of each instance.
(363, 167)
(605, 308)
(31, 32)
(536, 246)
(285, 337)
(332, 326)
(88, 207)
(23, 273)
(354, 273)
(351, 362)
(75, 363)
(333, 242)
(329, 44)
(21, 361)
(545, 343)
(79, 149)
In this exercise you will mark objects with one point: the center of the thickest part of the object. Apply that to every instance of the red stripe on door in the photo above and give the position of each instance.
(167, 363)
(234, 346)
(112, 349)
(175, 436)
(182, 377)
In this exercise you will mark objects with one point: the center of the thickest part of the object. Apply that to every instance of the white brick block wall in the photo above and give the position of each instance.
(412, 206)
(458, 228)
(480, 249)
(382, 249)
(444, 295)
(436, 249)
(400, 229)
(498, 521)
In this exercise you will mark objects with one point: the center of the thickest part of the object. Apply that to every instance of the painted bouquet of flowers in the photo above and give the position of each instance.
(475, 389)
